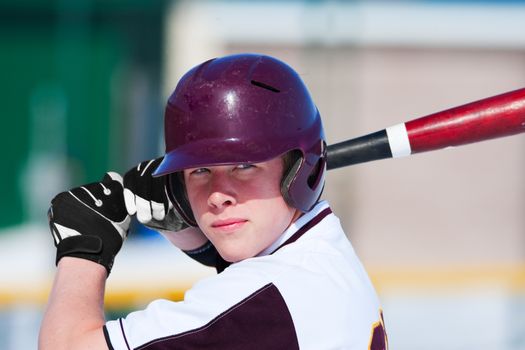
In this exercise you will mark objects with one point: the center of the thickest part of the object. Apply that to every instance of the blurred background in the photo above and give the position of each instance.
(442, 234)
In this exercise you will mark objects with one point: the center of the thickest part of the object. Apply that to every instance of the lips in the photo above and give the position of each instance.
(228, 224)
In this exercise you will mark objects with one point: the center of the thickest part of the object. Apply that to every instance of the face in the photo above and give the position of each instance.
(239, 207)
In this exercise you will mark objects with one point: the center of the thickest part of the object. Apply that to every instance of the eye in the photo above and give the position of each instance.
(245, 166)
(198, 171)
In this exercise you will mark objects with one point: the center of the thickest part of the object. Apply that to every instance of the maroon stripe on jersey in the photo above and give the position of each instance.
(106, 336)
(260, 321)
(123, 333)
(305, 228)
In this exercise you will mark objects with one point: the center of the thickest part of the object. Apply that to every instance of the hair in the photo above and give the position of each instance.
(289, 159)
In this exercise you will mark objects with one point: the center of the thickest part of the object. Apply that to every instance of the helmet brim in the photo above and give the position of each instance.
(206, 153)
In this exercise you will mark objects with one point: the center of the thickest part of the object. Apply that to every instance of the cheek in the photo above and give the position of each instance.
(276, 211)
(271, 187)
(194, 199)
(277, 216)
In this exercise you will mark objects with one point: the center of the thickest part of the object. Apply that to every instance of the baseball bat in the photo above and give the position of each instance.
(492, 117)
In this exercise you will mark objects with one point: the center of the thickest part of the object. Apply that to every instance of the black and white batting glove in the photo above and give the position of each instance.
(146, 197)
(90, 221)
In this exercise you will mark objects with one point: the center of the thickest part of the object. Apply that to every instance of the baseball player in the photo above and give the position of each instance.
(239, 189)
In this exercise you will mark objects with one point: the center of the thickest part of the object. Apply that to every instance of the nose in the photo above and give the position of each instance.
(222, 193)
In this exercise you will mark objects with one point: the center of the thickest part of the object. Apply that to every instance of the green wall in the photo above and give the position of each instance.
(64, 70)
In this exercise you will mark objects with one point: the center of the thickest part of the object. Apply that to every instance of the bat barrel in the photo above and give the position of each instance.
(496, 116)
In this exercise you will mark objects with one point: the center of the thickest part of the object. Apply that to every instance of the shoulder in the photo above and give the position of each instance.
(223, 312)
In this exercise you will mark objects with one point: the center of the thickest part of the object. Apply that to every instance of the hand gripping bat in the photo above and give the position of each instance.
(492, 117)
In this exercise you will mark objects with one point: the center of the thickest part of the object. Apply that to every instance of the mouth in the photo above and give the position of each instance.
(231, 224)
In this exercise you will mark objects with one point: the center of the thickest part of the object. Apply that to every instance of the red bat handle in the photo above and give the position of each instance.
(497, 116)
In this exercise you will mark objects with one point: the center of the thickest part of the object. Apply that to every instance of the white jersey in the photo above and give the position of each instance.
(308, 290)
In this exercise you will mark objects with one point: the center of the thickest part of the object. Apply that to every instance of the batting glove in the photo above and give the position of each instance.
(90, 221)
(146, 197)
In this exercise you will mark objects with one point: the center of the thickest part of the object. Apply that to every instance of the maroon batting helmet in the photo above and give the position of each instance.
(244, 108)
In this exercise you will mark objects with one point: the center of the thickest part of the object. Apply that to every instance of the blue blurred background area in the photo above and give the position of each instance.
(442, 234)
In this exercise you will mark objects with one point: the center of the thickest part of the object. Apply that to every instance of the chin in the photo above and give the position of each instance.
(232, 256)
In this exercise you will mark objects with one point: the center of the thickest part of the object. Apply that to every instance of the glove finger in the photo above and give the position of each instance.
(130, 178)
(139, 180)
(147, 167)
(134, 181)
(155, 164)
(158, 192)
(89, 194)
(112, 176)
(152, 185)
(106, 198)
(143, 210)
(157, 210)
(129, 200)
(112, 183)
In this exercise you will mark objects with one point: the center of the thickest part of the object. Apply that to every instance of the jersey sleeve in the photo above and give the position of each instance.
(220, 313)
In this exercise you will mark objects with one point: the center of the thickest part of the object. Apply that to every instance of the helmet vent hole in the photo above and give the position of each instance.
(265, 86)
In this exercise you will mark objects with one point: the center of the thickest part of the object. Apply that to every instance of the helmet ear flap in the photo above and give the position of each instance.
(290, 172)
(317, 174)
(303, 183)
(176, 191)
